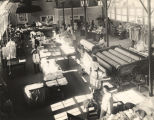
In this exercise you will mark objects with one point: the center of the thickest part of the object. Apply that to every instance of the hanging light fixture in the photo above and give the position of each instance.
(100, 3)
(84, 3)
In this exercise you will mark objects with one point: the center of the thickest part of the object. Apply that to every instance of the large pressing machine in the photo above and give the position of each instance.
(120, 63)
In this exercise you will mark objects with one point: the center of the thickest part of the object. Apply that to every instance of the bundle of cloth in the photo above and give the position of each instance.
(141, 46)
(141, 111)
(87, 45)
(66, 44)
(65, 40)
(67, 50)
(50, 69)
(44, 53)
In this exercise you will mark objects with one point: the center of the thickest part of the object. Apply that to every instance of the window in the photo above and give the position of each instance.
(112, 16)
(22, 18)
(49, 19)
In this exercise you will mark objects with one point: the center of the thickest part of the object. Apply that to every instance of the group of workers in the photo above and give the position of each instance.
(95, 83)
(107, 101)
(90, 64)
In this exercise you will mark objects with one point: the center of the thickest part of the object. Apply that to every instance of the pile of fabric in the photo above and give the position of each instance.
(143, 111)
(140, 46)
(66, 44)
(50, 69)
(44, 53)
(131, 114)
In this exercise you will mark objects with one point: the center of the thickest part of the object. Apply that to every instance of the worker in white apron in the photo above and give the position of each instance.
(94, 82)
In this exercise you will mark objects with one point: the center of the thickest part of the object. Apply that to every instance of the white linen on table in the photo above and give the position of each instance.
(67, 49)
(50, 69)
(44, 54)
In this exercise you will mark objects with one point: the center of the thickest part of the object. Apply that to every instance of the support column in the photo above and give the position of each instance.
(72, 15)
(127, 12)
(106, 22)
(85, 17)
(149, 49)
(63, 14)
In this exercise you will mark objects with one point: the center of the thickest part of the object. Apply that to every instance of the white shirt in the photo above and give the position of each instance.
(107, 103)
(101, 42)
(94, 73)
(4, 52)
(11, 46)
(36, 58)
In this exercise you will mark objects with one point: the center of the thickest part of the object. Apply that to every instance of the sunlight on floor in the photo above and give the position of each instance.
(61, 116)
(57, 106)
(69, 102)
(129, 96)
(81, 98)
(74, 111)
(72, 104)
(74, 107)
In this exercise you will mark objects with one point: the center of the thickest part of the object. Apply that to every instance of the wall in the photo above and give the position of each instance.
(47, 9)
(92, 14)
(13, 15)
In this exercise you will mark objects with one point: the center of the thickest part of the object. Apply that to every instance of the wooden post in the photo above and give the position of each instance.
(85, 17)
(72, 15)
(115, 12)
(102, 16)
(127, 12)
(63, 14)
(149, 49)
(106, 22)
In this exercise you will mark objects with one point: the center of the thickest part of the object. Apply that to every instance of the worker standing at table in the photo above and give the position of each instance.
(72, 35)
(37, 42)
(75, 44)
(107, 102)
(94, 74)
(4, 55)
(36, 61)
(101, 42)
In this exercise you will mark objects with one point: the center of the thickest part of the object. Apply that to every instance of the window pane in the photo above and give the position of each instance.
(124, 18)
(118, 17)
